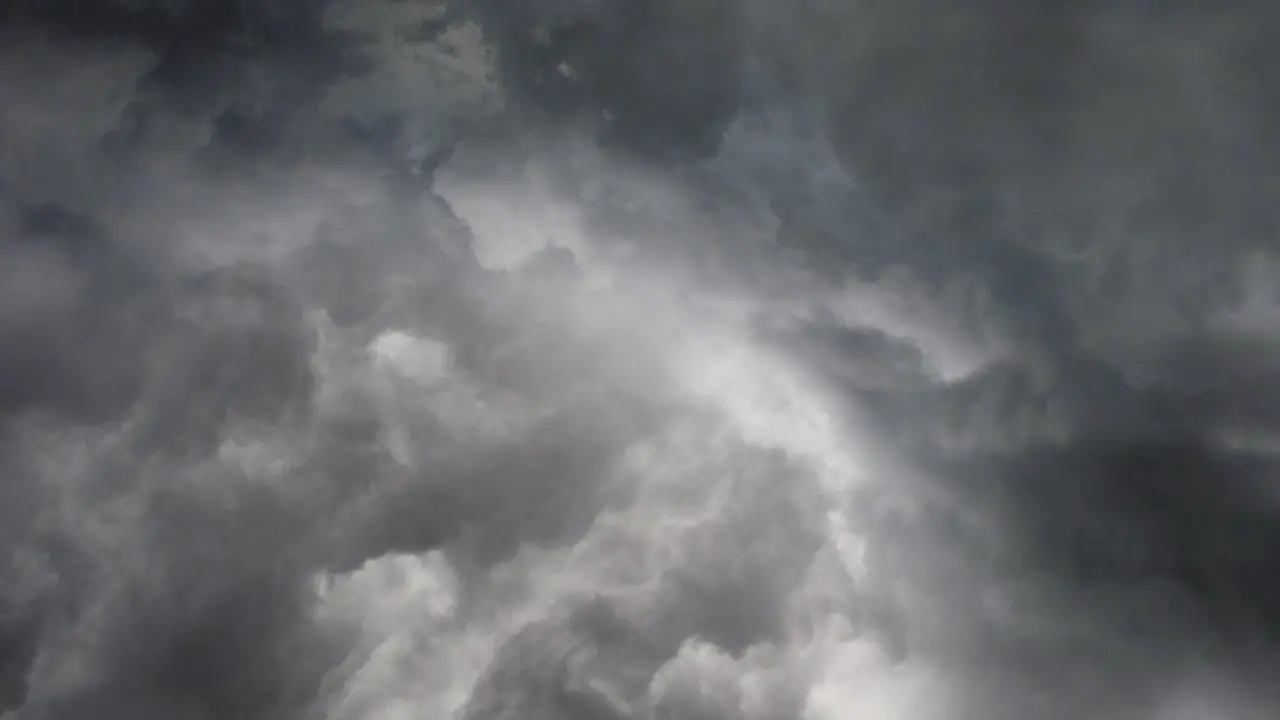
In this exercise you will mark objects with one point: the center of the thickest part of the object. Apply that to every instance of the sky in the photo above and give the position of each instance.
(639, 360)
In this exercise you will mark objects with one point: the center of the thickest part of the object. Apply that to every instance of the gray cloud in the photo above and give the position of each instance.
(636, 360)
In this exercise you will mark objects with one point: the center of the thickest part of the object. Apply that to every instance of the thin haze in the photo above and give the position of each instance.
(639, 360)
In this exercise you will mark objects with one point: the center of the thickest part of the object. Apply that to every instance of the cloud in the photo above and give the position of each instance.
(625, 360)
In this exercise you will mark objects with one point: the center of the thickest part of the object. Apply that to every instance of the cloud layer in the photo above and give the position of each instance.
(637, 360)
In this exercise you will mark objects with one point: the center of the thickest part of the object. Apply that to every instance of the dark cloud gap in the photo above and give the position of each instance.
(1085, 528)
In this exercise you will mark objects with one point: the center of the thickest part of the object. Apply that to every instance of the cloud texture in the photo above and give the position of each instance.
(620, 360)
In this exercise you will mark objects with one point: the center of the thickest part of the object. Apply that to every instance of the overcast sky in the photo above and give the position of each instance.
(639, 360)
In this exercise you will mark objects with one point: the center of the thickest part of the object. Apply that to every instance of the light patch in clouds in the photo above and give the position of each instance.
(422, 360)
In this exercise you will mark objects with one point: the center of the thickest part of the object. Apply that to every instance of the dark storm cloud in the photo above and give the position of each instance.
(1101, 170)
(1027, 142)
(128, 341)
(204, 59)
(158, 578)
(173, 603)
(225, 383)
(658, 78)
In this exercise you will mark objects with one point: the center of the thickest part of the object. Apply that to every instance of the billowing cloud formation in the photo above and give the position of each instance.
(637, 360)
